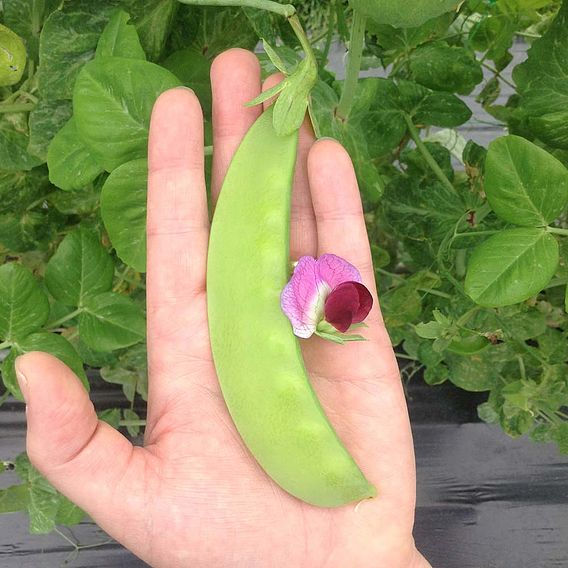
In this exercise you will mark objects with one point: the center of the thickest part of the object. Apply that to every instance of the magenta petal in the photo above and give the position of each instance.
(334, 270)
(303, 297)
(348, 303)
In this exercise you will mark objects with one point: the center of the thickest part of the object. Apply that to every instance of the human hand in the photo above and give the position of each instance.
(193, 495)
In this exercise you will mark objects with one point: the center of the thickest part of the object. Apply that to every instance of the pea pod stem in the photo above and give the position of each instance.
(286, 10)
(434, 166)
(17, 107)
(356, 44)
(558, 231)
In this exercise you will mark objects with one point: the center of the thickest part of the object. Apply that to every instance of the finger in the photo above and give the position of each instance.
(235, 80)
(339, 217)
(177, 234)
(303, 234)
(82, 457)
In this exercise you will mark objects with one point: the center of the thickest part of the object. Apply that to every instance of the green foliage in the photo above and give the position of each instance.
(469, 243)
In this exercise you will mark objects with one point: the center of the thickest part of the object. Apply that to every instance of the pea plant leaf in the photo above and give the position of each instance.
(23, 304)
(45, 120)
(392, 13)
(19, 189)
(120, 39)
(14, 140)
(511, 266)
(47, 342)
(68, 40)
(153, 20)
(525, 185)
(14, 498)
(112, 102)
(192, 69)
(46, 506)
(26, 17)
(71, 164)
(80, 267)
(130, 371)
(110, 321)
(123, 209)
(543, 83)
(441, 67)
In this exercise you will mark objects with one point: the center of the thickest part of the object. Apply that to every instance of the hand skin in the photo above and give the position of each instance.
(193, 496)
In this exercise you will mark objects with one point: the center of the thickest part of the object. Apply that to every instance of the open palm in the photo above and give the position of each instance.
(193, 496)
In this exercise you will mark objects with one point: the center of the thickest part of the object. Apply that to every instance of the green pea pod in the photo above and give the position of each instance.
(12, 57)
(257, 357)
(468, 345)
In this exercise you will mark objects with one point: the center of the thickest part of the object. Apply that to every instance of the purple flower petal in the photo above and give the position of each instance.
(334, 270)
(303, 298)
(348, 303)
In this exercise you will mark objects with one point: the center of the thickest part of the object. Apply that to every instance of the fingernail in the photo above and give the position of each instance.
(22, 380)
(186, 89)
(327, 138)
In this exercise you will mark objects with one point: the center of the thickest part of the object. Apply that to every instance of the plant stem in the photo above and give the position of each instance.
(415, 135)
(286, 10)
(558, 231)
(132, 423)
(474, 234)
(522, 367)
(4, 397)
(356, 44)
(302, 38)
(497, 74)
(404, 356)
(330, 28)
(69, 316)
(435, 293)
(17, 107)
(208, 150)
(5, 345)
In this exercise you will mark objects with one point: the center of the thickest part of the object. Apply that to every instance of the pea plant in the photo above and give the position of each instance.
(469, 243)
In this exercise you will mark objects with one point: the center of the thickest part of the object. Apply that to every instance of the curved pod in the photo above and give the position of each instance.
(257, 357)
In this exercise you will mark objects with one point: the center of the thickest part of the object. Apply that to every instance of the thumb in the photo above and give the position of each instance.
(81, 456)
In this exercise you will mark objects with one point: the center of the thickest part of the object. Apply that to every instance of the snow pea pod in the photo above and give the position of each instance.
(258, 359)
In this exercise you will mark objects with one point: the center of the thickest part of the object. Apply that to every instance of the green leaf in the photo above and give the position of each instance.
(123, 209)
(14, 142)
(68, 40)
(436, 375)
(111, 416)
(130, 415)
(14, 499)
(211, 31)
(71, 164)
(23, 304)
(525, 185)
(112, 102)
(68, 514)
(47, 342)
(192, 69)
(543, 83)
(94, 358)
(130, 371)
(26, 18)
(111, 321)
(392, 13)
(83, 202)
(47, 118)
(441, 67)
(479, 372)
(441, 109)
(153, 20)
(30, 229)
(19, 189)
(80, 267)
(13, 57)
(120, 39)
(401, 306)
(511, 266)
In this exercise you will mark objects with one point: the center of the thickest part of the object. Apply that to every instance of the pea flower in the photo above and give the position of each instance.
(326, 297)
